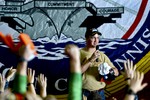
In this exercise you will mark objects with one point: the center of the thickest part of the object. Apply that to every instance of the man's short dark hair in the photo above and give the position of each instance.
(91, 32)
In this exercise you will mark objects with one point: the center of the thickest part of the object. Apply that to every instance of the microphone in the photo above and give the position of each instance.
(97, 47)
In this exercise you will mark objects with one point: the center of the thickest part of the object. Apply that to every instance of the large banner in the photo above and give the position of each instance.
(51, 24)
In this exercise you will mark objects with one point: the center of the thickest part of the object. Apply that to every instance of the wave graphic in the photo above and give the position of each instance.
(53, 49)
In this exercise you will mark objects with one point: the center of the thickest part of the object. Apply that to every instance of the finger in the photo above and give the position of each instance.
(115, 72)
(138, 76)
(144, 85)
(41, 77)
(134, 68)
(141, 77)
(46, 79)
(131, 65)
(14, 70)
(33, 73)
(0, 77)
(134, 75)
(3, 77)
(11, 67)
(38, 78)
(28, 72)
(128, 64)
(97, 52)
(125, 65)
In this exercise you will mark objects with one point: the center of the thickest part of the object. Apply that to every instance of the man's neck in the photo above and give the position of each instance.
(90, 49)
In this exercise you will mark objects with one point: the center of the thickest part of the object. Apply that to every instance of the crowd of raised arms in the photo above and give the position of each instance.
(24, 89)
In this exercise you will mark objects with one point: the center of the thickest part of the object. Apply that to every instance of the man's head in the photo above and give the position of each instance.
(92, 37)
(91, 32)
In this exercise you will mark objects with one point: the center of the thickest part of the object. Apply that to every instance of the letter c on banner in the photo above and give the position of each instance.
(57, 84)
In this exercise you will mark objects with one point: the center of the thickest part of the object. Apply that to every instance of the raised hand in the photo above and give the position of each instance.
(94, 56)
(30, 75)
(74, 54)
(129, 70)
(26, 53)
(42, 81)
(11, 73)
(75, 81)
(72, 51)
(2, 83)
(136, 84)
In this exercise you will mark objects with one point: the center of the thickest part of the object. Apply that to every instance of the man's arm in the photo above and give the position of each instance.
(20, 81)
(75, 81)
(107, 60)
(85, 65)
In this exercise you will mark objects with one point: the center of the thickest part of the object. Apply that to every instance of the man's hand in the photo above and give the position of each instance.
(94, 56)
(72, 51)
(116, 72)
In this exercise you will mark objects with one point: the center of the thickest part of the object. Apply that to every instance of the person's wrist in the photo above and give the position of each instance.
(90, 60)
(131, 92)
(43, 88)
(22, 59)
(29, 84)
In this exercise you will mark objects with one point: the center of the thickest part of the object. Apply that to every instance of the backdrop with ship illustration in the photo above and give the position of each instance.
(53, 24)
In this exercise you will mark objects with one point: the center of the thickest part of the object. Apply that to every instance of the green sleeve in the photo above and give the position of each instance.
(75, 86)
(20, 83)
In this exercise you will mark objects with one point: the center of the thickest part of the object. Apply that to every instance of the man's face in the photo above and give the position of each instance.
(92, 41)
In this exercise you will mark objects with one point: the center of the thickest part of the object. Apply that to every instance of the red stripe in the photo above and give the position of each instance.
(19, 96)
(137, 20)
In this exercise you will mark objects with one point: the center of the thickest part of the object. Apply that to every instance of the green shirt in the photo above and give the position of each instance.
(20, 84)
